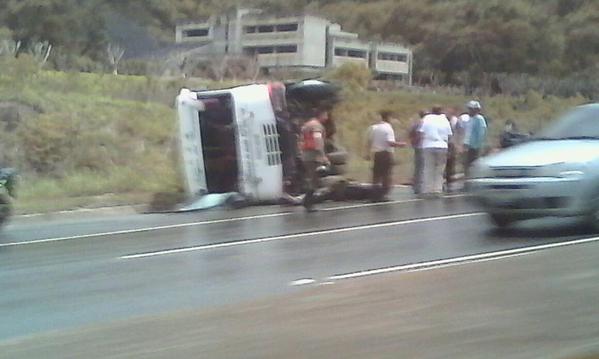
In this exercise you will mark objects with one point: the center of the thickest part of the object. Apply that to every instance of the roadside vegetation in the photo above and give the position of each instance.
(76, 136)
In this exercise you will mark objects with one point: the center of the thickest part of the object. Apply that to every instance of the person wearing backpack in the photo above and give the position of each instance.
(313, 136)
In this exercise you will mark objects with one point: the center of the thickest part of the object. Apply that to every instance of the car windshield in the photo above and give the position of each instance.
(580, 123)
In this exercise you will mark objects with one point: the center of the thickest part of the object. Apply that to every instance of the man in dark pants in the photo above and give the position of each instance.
(313, 154)
(381, 142)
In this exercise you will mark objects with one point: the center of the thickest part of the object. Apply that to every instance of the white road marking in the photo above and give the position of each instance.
(76, 211)
(297, 235)
(469, 262)
(475, 258)
(352, 206)
(193, 224)
(145, 229)
(300, 282)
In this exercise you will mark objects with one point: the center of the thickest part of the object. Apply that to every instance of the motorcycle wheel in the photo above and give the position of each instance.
(5, 209)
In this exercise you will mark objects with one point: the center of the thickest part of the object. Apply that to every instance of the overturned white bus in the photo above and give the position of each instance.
(236, 140)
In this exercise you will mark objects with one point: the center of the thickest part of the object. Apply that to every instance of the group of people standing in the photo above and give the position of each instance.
(440, 139)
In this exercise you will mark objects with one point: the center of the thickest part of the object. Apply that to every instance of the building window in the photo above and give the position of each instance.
(356, 53)
(350, 53)
(386, 56)
(286, 49)
(340, 52)
(265, 50)
(196, 32)
(281, 49)
(266, 28)
(250, 29)
(287, 27)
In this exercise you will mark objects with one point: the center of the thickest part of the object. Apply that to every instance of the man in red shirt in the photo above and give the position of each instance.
(313, 154)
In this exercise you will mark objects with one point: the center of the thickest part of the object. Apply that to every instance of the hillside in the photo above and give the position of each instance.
(456, 41)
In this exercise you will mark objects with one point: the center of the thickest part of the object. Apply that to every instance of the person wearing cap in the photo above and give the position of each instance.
(475, 135)
(436, 134)
(381, 142)
(313, 154)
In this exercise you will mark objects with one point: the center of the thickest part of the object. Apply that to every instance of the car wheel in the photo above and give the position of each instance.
(501, 220)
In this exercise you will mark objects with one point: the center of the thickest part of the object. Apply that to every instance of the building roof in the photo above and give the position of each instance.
(274, 16)
(202, 20)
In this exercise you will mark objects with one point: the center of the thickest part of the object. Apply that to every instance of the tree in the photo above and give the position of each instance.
(40, 51)
(354, 76)
(9, 48)
(73, 25)
(115, 54)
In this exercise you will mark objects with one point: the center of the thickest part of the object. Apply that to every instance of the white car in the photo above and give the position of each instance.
(553, 174)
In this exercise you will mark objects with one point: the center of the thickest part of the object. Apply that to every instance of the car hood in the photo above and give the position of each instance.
(542, 153)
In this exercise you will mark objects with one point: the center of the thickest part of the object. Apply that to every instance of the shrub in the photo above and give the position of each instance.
(47, 141)
(353, 76)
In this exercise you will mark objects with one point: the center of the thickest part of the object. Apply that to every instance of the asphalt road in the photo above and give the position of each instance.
(65, 274)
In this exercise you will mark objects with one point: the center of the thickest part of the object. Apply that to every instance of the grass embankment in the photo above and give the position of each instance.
(85, 140)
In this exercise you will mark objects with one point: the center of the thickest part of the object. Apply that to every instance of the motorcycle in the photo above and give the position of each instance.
(8, 179)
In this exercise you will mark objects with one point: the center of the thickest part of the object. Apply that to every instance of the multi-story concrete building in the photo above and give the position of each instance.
(285, 41)
(344, 47)
(302, 42)
(391, 61)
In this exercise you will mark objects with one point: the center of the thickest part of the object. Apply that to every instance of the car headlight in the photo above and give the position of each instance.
(563, 170)
(572, 174)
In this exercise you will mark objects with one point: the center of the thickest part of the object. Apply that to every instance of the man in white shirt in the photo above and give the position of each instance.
(381, 142)
(436, 134)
